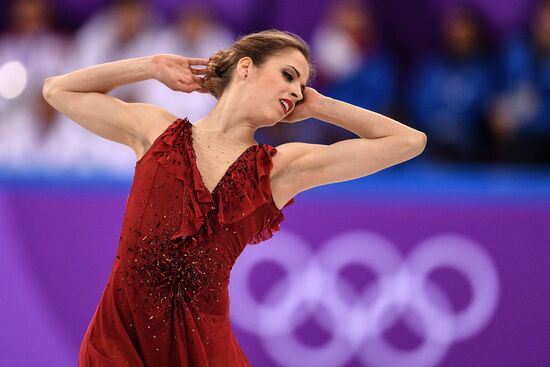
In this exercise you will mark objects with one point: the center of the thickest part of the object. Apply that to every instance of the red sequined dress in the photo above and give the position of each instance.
(167, 302)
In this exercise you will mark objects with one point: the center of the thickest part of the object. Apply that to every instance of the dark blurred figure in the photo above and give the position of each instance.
(353, 64)
(36, 50)
(452, 89)
(521, 119)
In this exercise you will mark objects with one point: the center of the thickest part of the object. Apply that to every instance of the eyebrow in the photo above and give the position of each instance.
(297, 73)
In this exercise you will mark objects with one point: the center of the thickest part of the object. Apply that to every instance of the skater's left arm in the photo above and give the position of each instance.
(383, 142)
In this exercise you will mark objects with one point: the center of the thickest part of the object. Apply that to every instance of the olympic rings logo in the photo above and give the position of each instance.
(402, 291)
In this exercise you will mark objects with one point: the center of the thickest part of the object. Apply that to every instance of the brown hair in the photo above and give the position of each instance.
(259, 47)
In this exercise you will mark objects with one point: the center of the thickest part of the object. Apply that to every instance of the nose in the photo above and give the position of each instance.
(297, 97)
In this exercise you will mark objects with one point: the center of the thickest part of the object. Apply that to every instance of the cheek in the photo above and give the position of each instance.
(265, 92)
(270, 84)
(262, 93)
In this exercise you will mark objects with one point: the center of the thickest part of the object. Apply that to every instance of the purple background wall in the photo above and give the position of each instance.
(58, 242)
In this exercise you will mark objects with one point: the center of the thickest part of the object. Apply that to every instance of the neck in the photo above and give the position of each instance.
(229, 120)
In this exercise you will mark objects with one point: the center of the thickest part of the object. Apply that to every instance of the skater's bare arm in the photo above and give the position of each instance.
(81, 96)
(383, 142)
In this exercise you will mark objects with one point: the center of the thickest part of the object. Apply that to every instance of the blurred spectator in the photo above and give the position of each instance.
(30, 51)
(521, 120)
(125, 29)
(195, 32)
(451, 90)
(448, 97)
(353, 64)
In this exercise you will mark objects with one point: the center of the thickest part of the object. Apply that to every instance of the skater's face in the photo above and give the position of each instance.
(282, 76)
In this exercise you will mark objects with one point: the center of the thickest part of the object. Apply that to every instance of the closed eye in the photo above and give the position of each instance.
(288, 76)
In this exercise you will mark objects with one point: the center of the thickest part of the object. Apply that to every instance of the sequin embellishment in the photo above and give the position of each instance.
(182, 270)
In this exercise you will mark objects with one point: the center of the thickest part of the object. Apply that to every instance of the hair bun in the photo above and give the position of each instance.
(216, 71)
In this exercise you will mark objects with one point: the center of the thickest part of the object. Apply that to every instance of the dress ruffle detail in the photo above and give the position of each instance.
(263, 166)
(272, 227)
(169, 155)
(234, 201)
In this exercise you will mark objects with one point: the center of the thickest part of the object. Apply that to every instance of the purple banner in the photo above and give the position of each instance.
(357, 281)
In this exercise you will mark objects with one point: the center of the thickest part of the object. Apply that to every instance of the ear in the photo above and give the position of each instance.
(243, 67)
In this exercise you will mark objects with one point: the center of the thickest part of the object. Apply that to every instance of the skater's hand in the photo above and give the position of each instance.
(179, 73)
(305, 108)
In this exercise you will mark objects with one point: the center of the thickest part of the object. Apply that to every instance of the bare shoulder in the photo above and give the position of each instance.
(152, 121)
(301, 166)
(288, 152)
(131, 124)
(282, 187)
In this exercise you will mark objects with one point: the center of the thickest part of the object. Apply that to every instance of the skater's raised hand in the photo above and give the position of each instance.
(180, 73)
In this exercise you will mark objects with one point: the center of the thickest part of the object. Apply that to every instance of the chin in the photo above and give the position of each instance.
(271, 119)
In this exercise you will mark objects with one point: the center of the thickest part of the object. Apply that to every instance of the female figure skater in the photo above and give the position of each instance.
(203, 191)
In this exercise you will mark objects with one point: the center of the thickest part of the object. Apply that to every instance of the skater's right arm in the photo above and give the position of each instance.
(81, 96)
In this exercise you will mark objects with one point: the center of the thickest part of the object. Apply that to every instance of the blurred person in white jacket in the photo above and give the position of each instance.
(345, 34)
(194, 31)
(125, 29)
(30, 50)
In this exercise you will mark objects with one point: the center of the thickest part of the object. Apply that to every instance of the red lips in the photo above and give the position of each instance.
(289, 103)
